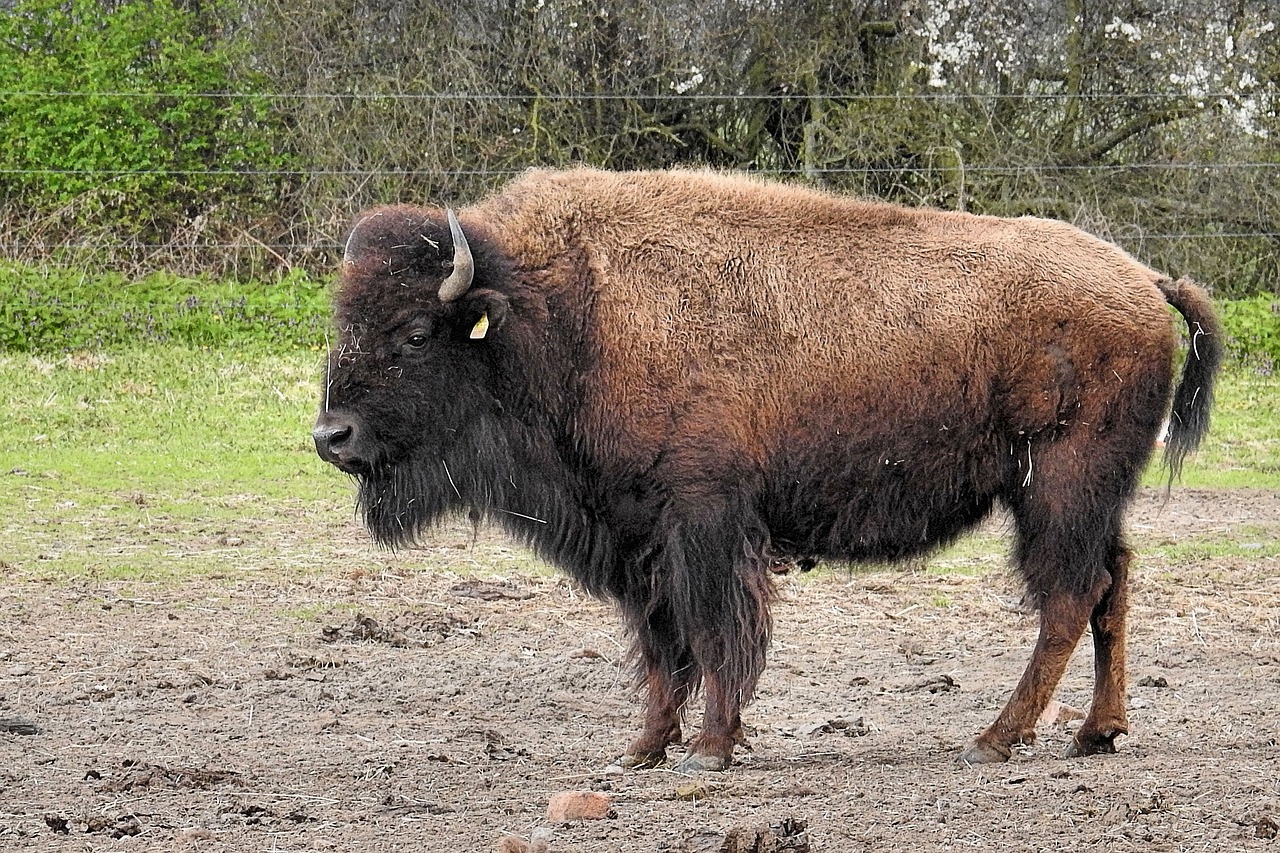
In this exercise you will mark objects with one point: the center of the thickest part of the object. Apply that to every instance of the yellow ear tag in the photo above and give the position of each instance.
(481, 328)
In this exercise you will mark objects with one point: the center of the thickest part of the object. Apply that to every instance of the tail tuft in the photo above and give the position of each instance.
(1193, 398)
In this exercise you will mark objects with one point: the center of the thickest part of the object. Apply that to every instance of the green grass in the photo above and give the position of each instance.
(1242, 449)
(146, 463)
(208, 420)
(1250, 542)
(150, 463)
(51, 309)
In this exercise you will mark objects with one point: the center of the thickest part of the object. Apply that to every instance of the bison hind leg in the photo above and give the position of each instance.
(1107, 718)
(1068, 509)
(1063, 616)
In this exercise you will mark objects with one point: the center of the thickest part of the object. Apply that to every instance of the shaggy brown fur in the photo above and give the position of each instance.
(688, 376)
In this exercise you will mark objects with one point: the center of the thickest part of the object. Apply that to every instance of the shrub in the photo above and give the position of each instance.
(118, 120)
(1253, 331)
(50, 310)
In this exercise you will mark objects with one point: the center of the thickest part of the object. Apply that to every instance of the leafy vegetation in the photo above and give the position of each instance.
(129, 124)
(51, 309)
(1253, 331)
(233, 138)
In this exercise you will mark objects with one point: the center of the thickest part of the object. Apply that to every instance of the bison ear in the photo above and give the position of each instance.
(487, 310)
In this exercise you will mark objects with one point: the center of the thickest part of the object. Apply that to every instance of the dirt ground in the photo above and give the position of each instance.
(379, 703)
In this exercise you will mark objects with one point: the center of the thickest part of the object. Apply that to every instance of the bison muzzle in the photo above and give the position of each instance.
(668, 382)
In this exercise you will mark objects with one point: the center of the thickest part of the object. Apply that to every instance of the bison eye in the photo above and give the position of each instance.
(417, 340)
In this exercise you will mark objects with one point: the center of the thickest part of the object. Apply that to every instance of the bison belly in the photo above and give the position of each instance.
(885, 484)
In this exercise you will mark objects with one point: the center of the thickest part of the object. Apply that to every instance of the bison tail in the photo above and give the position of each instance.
(1193, 398)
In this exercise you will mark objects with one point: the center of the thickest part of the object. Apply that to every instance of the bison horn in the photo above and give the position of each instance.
(348, 251)
(463, 266)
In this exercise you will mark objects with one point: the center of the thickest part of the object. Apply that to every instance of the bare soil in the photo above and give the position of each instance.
(380, 702)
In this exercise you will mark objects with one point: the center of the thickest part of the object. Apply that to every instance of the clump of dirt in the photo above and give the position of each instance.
(140, 774)
(788, 835)
(402, 630)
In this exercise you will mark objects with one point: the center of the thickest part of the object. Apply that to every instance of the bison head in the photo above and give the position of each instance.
(408, 402)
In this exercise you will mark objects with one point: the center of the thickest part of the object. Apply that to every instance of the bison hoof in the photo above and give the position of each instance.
(984, 753)
(696, 761)
(1092, 744)
(640, 761)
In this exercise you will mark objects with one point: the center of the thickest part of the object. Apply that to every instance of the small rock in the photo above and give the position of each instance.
(915, 653)
(537, 842)
(1058, 713)
(1153, 681)
(193, 837)
(325, 722)
(693, 791)
(17, 726)
(858, 727)
(570, 806)
(941, 683)
(1266, 827)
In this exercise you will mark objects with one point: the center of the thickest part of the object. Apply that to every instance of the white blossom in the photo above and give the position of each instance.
(695, 79)
(1121, 29)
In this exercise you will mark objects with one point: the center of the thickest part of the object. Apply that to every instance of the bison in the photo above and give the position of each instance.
(667, 382)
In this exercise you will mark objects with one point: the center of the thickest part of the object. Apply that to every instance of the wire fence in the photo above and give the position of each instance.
(484, 173)
(1267, 171)
(1117, 229)
(1251, 216)
(669, 94)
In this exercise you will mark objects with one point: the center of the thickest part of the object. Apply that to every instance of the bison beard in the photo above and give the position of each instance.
(666, 406)
(401, 499)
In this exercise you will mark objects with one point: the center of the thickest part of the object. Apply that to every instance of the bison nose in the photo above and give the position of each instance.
(329, 437)
(334, 437)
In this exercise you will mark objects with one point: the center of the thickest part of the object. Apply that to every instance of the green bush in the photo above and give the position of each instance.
(1253, 331)
(52, 310)
(119, 115)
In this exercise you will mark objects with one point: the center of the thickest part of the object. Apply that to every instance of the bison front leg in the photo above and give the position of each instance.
(669, 675)
(661, 728)
(730, 630)
(712, 749)
(712, 652)
(704, 621)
